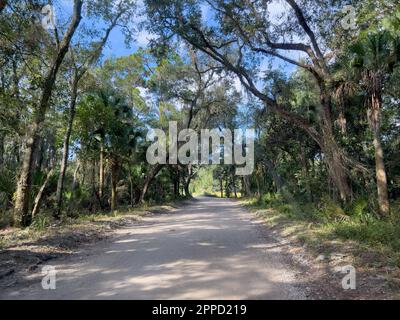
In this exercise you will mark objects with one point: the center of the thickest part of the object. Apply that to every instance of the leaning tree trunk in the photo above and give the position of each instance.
(234, 185)
(101, 170)
(188, 181)
(73, 189)
(113, 191)
(114, 170)
(21, 209)
(151, 175)
(175, 176)
(334, 155)
(134, 191)
(337, 169)
(1, 148)
(374, 116)
(64, 161)
(187, 189)
(176, 188)
(39, 196)
(246, 186)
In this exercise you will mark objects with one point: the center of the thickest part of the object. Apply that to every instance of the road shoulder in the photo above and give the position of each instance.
(322, 266)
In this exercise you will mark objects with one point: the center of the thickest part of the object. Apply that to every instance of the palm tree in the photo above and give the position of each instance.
(113, 130)
(374, 57)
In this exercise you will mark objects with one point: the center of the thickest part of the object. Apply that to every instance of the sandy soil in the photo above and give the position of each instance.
(209, 249)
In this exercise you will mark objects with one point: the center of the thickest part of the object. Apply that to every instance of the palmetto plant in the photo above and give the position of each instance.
(114, 133)
(373, 59)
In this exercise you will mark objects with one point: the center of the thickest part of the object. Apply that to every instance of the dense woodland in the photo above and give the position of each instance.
(324, 100)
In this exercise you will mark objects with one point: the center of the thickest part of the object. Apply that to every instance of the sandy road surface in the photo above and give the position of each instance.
(209, 249)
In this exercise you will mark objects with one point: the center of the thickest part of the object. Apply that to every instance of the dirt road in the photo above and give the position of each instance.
(209, 249)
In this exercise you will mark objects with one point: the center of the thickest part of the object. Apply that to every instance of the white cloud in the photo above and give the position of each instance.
(276, 9)
(143, 38)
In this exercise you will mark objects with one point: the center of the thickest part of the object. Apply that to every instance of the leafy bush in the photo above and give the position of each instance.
(6, 219)
(373, 233)
(358, 207)
(331, 209)
(41, 222)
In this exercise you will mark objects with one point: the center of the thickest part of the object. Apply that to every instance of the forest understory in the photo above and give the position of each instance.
(319, 246)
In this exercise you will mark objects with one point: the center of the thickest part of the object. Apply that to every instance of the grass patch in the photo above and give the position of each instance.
(317, 226)
(44, 224)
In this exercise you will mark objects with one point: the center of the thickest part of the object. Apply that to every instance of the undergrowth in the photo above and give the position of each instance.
(328, 221)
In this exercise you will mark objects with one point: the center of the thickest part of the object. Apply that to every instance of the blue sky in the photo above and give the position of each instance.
(116, 46)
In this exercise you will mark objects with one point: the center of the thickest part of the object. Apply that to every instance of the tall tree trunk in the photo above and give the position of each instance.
(176, 188)
(64, 161)
(2, 138)
(334, 155)
(114, 181)
(381, 177)
(21, 210)
(150, 176)
(101, 170)
(188, 181)
(246, 186)
(176, 178)
(337, 170)
(306, 174)
(259, 195)
(178, 183)
(234, 185)
(187, 188)
(131, 190)
(40, 155)
(73, 188)
(93, 183)
(95, 193)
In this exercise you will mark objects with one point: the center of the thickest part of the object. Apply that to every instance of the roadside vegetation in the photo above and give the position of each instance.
(84, 225)
(318, 226)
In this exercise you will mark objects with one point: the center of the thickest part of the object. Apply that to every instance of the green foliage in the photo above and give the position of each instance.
(330, 209)
(41, 222)
(204, 182)
(6, 219)
(374, 233)
(392, 23)
(359, 207)
(323, 224)
(7, 182)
